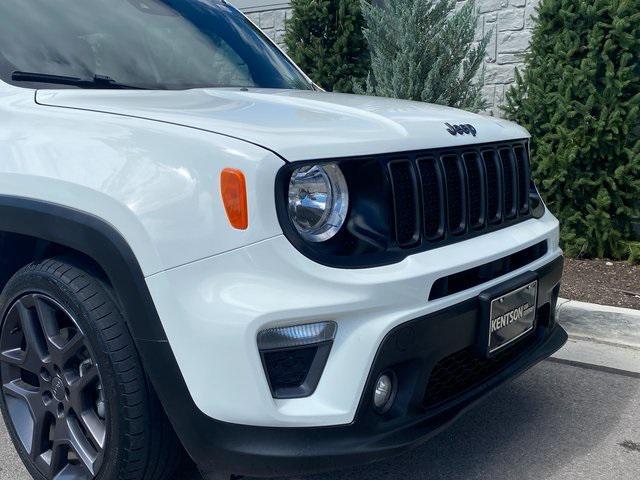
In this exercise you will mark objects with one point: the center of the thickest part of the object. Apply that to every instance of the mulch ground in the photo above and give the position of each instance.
(602, 282)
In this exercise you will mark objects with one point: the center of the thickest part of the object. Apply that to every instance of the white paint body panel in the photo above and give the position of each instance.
(223, 302)
(148, 163)
(158, 184)
(299, 125)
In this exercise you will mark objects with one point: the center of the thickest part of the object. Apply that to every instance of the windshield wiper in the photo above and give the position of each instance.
(98, 81)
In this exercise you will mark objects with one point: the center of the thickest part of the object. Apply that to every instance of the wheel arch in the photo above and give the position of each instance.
(44, 229)
(36, 229)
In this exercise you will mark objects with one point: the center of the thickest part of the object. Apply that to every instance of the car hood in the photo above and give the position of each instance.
(297, 125)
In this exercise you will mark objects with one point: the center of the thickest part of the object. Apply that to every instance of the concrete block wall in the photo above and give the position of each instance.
(272, 22)
(510, 23)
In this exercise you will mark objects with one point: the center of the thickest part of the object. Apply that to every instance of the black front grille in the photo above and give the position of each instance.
(451, 194)
(466, 369)
(402, 203)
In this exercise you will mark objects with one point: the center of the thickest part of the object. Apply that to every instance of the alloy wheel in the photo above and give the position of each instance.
(52, 389)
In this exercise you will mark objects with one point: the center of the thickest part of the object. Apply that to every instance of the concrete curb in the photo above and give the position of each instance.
(620, 326)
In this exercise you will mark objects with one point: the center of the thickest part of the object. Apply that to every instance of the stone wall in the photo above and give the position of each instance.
(272, 22)
(509, 21)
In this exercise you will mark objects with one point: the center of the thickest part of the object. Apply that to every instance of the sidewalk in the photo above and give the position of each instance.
(588, 321)
(600, 336)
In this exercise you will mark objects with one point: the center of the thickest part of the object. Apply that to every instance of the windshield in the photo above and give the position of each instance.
(153, 44)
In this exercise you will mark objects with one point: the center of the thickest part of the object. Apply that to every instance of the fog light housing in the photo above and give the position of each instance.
(384, 392)
(294, 357)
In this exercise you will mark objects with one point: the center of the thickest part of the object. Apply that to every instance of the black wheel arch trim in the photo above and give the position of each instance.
(99, 240)
(103, 243)
(95, 238)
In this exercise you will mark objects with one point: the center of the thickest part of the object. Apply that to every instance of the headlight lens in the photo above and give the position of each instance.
(318, 201)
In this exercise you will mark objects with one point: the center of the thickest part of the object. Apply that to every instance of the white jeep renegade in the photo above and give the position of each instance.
(203, 252)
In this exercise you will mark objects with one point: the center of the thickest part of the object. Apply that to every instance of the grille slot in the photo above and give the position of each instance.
(405, 205)
(510, 181)
(493, 170)
(456, 195)
(476, 189)
(524, 178)
(432, 198)
(444, 196)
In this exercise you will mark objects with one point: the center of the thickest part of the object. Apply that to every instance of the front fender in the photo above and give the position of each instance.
(157, 184)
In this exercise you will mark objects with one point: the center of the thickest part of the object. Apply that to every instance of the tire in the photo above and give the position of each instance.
(91, 393)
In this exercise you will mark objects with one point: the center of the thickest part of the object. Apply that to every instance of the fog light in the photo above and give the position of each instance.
(384, 392)
(294, 357)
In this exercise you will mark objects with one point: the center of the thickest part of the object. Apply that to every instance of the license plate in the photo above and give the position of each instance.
(512, 316)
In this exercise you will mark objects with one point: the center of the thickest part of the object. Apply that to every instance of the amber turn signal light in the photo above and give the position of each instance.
(234, 196)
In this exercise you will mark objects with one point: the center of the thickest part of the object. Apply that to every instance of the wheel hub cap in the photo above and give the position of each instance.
(57, 387)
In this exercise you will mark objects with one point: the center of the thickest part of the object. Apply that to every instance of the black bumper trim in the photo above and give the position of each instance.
(270, 452)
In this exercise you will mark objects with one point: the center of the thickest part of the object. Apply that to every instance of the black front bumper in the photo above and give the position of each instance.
(414, 351)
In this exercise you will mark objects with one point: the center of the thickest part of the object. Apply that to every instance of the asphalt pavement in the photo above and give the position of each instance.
(562, 420)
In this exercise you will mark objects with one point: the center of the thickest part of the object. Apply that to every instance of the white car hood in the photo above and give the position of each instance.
(297, 125)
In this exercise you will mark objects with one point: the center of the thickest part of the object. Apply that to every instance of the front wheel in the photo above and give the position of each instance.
(74, 395)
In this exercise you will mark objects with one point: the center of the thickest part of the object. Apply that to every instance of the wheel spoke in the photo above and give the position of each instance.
(35, 439)
(95, 427)
(35, 353)
(73, 471)
(43, 462)
(53, 460)
(14, 357)
(40, 434)
(70, 349)
(81, 445)
(29, 360)
(18, 389)
(78, 386)
(47, 319)
(61, 348)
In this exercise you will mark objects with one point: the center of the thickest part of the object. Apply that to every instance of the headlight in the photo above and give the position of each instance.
(318, 201)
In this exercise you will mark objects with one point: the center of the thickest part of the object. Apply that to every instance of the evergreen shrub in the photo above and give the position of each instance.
(579, 96)
(325, 38)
